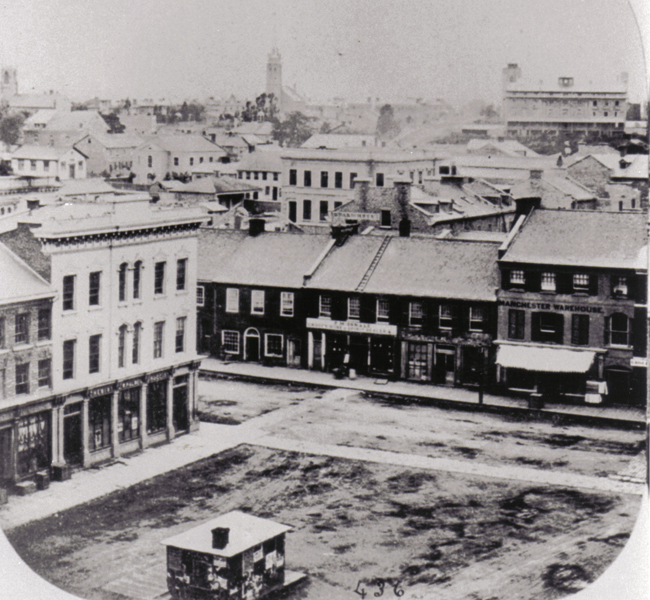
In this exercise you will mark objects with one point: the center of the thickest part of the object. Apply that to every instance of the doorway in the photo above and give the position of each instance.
(445, 371)
(180, 409)
(6, 457)
(381, 356)
(252, 345)
(72, 442)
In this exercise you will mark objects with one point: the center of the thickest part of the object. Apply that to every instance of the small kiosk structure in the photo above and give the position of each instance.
(234, 557)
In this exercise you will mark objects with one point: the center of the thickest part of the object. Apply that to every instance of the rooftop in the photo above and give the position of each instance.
(42, 152)
(185, 143)
(381, 155)
(581, 238)
(269, 160)
(245, 531)
(268, 259)
(19, 281)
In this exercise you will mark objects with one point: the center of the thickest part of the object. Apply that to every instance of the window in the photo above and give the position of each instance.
(275, 177)
(325, 307)
(415, 314)
(385, 218)
(200, 295)
(33, 165)
(180, 334)
(149, 161)
(580, 330)
(307, 178)
(175, 161)
(158, 330)
(181, 269)
(264, 175)
(516, 324)
(618, 330)
(324, 177)
(324, 205)
(338, 180)
(46, 165)
(45, 372)
(2, 333)
(93, 288)
(257, 302)
(619, 287)
(379, 180)
(547, 327)
(137, 270)
(99, 423)
(121, 345)
(232, 300)
(353, 176)
(306, 210)
(22, 328)
(68, 292)
(267, 190)
(192, 161)
(93, 353)
(275, 192)
(44, 324)
(135, 350)
(22, 378)
(68, 359)
(293, 177)
(21, 165)
(122, 282)
(517, 278)
(128, 414)
(548, 282)
(476, 317)
(273, 344)
(354, 308)
(159, 278)
(445, 317)
(286, 304)
(156, 406)
(581, 282)
(383, 308)
(256, 175)
(230, 342)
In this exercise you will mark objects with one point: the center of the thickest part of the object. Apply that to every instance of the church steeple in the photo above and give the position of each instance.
(274, 77)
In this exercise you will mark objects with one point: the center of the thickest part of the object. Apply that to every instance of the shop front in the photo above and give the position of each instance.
(366, 348)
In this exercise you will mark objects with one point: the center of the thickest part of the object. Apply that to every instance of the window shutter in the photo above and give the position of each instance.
(559, 330)
(461, 318)
(640, 339)
(505, 279)
(431, 315)
(593, 285)
(367, 309)
(339, 307)
(395, 311)
(533, 281)
(634, 291)
(607, 330)
(534, 327)
(564, 283)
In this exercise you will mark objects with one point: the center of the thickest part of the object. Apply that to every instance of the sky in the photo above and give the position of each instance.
(450, 49)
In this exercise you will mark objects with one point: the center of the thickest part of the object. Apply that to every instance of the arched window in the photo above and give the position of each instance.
(122, 282)
(121, 346)
(137, 272)
(135, 356)
(617, 331)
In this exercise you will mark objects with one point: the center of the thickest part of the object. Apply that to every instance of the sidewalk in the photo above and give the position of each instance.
(617, 416)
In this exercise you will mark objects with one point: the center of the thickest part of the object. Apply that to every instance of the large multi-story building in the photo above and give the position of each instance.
(572, 306)
(123, 324)
(567, 106)
(315, 182)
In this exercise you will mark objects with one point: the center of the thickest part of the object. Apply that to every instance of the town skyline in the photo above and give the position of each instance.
(328, 50)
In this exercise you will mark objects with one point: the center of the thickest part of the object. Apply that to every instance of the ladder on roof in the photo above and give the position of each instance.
(373, 264)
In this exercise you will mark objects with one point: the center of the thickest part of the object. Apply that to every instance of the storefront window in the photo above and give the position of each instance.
(33, 443)
(157, 406)
(516, 324)
(128, 418)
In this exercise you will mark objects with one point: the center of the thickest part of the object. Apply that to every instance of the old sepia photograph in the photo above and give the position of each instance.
(324, 300)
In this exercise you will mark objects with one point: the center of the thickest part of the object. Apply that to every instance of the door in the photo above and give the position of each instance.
(318, 352)
(72, 443)
(359, 353)
(618, 385)
(252, 345)
(72, 171)
(6, 457)
(293, 212)
(294, 353)
(180, 411)
(381, 356)
(472, 365)
(417, 362)
(445, 366)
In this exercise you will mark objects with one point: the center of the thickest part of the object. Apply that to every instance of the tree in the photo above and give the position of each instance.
(325, 128)
(293, 131)
(387, 126)
(11, 128)
(113, 122)
(489, 112)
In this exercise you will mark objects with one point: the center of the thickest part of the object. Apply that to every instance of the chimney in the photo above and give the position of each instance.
(536, 173)
(255, 227)
(220, 537)
(404, 228)
(403, 195)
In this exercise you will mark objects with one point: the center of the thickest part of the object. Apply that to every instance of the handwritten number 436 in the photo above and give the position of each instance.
(380, 584)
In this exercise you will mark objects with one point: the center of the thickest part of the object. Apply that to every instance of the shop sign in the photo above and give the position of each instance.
(352, 326)
(159, 376)
(639, 361)
(359, 216)
(102, 390)
(129, 383)
(583, 308)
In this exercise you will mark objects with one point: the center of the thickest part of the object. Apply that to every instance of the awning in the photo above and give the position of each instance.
(547, 360)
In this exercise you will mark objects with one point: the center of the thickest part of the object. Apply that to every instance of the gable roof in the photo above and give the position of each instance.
(269, 259)
(115, 140)
(20, 282)
(184, 143)
(31, 152)
(581, 238)
(267, 160)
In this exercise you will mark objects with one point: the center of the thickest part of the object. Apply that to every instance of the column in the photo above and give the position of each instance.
(310, 350)
(323, 350)
(193, 400)
(84, 433)
(115, 442)
(142, 424)
(170, 409)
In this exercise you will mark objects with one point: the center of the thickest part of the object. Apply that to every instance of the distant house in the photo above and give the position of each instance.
(227, 191)
(233, 143)
(555, 190)
(168, 155)
(45, 161)
(499, 147)
(340, 140)
(266, 169)
(60, 128)
(110, 154)
(35, 102)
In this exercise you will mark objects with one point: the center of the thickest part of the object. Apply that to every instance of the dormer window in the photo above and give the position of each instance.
(517, 278)
(548, 282)
(620, 287)
(581, 282)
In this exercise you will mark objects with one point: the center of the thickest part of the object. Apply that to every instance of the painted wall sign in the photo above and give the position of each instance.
(352, 326)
